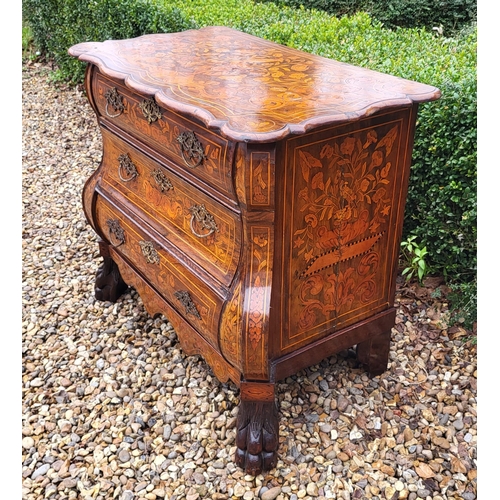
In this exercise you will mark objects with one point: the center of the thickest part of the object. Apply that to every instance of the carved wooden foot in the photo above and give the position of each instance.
(374, 353)
(257, 428)
(109, 284)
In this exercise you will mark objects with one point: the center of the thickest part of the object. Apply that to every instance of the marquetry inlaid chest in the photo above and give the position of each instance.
(254, 195)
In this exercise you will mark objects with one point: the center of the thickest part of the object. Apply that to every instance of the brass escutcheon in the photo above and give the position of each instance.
(150, 110)
(149, 252)
(204, 219)
(115, 100)
(125, 164)
(191, 149)
(116, 232)
(185, 299)
(161, 180)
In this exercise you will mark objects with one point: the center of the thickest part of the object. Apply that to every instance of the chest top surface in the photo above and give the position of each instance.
(245, 87)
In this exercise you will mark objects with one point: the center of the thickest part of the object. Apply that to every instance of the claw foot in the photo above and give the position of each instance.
(109, 284)
(374, 353)
(257, 436)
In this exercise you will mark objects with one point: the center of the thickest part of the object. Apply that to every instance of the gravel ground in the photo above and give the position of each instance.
(113, 409)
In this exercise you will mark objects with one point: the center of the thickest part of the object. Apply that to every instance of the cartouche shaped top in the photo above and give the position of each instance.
(247, 88)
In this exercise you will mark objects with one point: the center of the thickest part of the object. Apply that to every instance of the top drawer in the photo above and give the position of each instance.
(196, 149)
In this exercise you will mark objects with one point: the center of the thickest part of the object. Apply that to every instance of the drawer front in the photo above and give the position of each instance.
(196, 149)
(199, 226)
(196, 302)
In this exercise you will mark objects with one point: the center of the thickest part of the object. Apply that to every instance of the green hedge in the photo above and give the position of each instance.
(58, 24)
(441, 206)
(448, 15)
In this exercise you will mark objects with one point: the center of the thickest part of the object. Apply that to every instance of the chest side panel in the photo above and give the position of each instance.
(343, 208)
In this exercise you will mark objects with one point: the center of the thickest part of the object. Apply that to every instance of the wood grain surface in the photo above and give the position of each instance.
(248, 88)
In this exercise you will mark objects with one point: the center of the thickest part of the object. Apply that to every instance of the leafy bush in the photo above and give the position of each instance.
(413, 259)
(442, 201)
(448, 15)
(28, 48)
(441, 208)
(58, 24)
(463, 304)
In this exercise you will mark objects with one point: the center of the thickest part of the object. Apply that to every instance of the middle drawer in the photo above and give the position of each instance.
(206, 231)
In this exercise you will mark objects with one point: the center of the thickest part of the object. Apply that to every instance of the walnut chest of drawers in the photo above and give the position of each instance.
(254, 195)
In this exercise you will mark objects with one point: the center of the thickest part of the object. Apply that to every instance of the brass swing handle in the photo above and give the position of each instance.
(150, 253)
(203, 219)
(116, 232)
(126, 168)
(115, 100)
(191, 149)
(150, 110)
(185, 299)
(163, 183)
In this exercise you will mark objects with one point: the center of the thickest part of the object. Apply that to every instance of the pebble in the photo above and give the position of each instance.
(271, 493)
(239, 490)
(41, 471)
(28, 442)
(423, 493)
(124, 456)
(342, 403)
(114, 409)
(312, 489)
(468, 495)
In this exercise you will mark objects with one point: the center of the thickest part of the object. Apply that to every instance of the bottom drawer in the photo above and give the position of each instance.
(194, 300)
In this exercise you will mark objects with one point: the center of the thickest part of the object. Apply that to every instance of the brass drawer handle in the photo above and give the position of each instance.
(149, 252)
(150, 110)
(162, 180)
(116, 232)
(125, 164)
(115, 100)
(191, 149)
(186, 300)
(204, 219)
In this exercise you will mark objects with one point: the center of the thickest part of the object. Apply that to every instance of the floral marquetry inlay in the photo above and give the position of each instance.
(345, 198)
(258, 296)
(343, 201)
